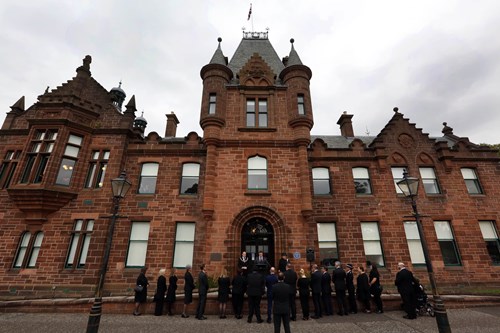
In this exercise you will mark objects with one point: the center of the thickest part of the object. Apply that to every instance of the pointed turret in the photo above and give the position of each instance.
(130, 108)
(140, 123)
(18, 106)
(218, 57)
(293, 58)
(16, 110)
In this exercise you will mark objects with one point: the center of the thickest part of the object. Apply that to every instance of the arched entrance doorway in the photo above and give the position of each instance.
(258, 234)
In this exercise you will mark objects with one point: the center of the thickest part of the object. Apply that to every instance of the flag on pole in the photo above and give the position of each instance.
(249, 12)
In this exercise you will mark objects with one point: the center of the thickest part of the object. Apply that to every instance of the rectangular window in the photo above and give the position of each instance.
(149, 175)
(257, 173)
(22, 249)
(212, 103)
(371, 242)
(300, 104)
(38, 155)
(321, 181)
(190, 178)
(35, 251)
(256, 112)
(471, 181)
(138, 244)
(490, 236)
(8, 168)
(397, 175)
(68, 162)
(79, 245)
(184, 244)
(327, 243)
(414, 243)
(97, 169)
(361, 180)
(429, 180)
(447, 243)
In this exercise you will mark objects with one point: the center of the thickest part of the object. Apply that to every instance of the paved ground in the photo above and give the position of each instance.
(481, 319)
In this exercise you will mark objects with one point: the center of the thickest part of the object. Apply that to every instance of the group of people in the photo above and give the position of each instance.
(280, 287)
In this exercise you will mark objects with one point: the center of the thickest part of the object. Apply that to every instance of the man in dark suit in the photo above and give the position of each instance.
(326, 291)
(291, 280)
(406, 287)
(281, 308)
(271, 280)
(349, 281)
(255, 290)
(316, 291)
(261, 264)
(283, 262)
(202, 292)
(338, 279)
(239, 285)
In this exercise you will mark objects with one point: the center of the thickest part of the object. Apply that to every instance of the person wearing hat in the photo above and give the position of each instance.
(349, 281)
(283, 262)
(188, 290)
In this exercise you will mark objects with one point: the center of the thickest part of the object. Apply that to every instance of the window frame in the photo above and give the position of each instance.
(177, 261)
(472, 181)
(357, 180)
(37, 158)
(8, 167)
(447, 241)
(28, 250)
(318, 180)
(142, 186)
(97, 168)
(79, 243)
(329, 239)
(255, 173)
(373, 256)
(259, 116)
(69, 160)
(301, 106)
(133, 242)
(212, 103)
(428, 180)
(396, 179)
(414, 243)
(186, 178)
(492, 242)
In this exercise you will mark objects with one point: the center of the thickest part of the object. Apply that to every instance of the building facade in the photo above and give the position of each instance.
(255, 180)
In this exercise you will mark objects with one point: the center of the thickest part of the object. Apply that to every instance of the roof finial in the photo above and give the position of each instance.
(292, 40)
(395, 109)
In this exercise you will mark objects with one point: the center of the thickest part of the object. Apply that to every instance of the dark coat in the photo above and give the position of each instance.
(363, 288)
(224, 289)
(375, 288)
(202, 283)
(338, 278)
(303, 285)
(142, 296)
(239, 284)
(172, 287)
(245, 265)
(316, 282)
(255, 284)
(349, 280)
(326, 286)
(291, 280)
(271, 280)
(189, 286)
(405, 282)
(281, 298)
(161, 289)
(282, 264)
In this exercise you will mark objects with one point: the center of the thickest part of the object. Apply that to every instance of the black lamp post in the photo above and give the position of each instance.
(409, 186)
(120, 187)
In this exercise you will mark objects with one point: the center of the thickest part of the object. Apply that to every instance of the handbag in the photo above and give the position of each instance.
(138, 288)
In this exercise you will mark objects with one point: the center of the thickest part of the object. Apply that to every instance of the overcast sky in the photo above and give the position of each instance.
(438, 61)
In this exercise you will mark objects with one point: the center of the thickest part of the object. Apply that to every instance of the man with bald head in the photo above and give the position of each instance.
(406, 288)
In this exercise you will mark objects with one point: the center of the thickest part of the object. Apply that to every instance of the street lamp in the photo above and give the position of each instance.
(120, 187)
(409, 186)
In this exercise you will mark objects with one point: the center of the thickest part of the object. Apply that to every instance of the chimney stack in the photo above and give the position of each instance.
(172, 122)
(346, 125)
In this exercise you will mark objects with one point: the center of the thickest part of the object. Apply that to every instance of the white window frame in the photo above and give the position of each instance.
(184, 244)
(429, 180)
(327, 243)
(490, 236)
(397, 175)
(361, 178)
(138, 244)
(190, 173)
(149, 172)
(444, 234)
(321, 175)
(471, 181)
(414, 243)
(257, 168)
(372, 243)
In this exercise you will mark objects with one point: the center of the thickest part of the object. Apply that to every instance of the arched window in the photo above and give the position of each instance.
(257, 173)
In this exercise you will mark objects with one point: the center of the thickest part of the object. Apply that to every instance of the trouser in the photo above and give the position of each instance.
(340, 296)
(353, 306)
(278, 317)
(237, 300)
(327, 303)
(293, 307)
(254, 307)
(317, 304)
(269, 305)
(200, 309)
(304, 304)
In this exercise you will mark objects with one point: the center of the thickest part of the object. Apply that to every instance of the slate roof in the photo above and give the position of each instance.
(342, 142)
(248, 47)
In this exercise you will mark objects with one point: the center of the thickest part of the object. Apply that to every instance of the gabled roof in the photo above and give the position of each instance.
(249, 46)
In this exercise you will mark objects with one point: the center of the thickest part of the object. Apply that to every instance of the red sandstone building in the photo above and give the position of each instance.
(256, 179)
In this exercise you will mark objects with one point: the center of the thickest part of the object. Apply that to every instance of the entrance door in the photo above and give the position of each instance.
(258, 235)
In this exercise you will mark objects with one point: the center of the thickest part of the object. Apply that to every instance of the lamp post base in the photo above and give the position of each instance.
(95, 316)
(441, 316)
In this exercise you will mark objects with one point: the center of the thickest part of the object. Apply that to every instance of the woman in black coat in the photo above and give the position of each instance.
(172, 287)
(363, 289)
(303, 286)
(141, 296)
(161, 288)
(224, 290)
(189, 286)
(376, 287)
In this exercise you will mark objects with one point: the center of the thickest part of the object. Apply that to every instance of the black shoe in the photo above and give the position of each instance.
(249, 320)
(260, 321)
(268, 320)
(314, 317)
(202, 318)
(346, 313)
(184, 316)
(380, 311)
(293, 319)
